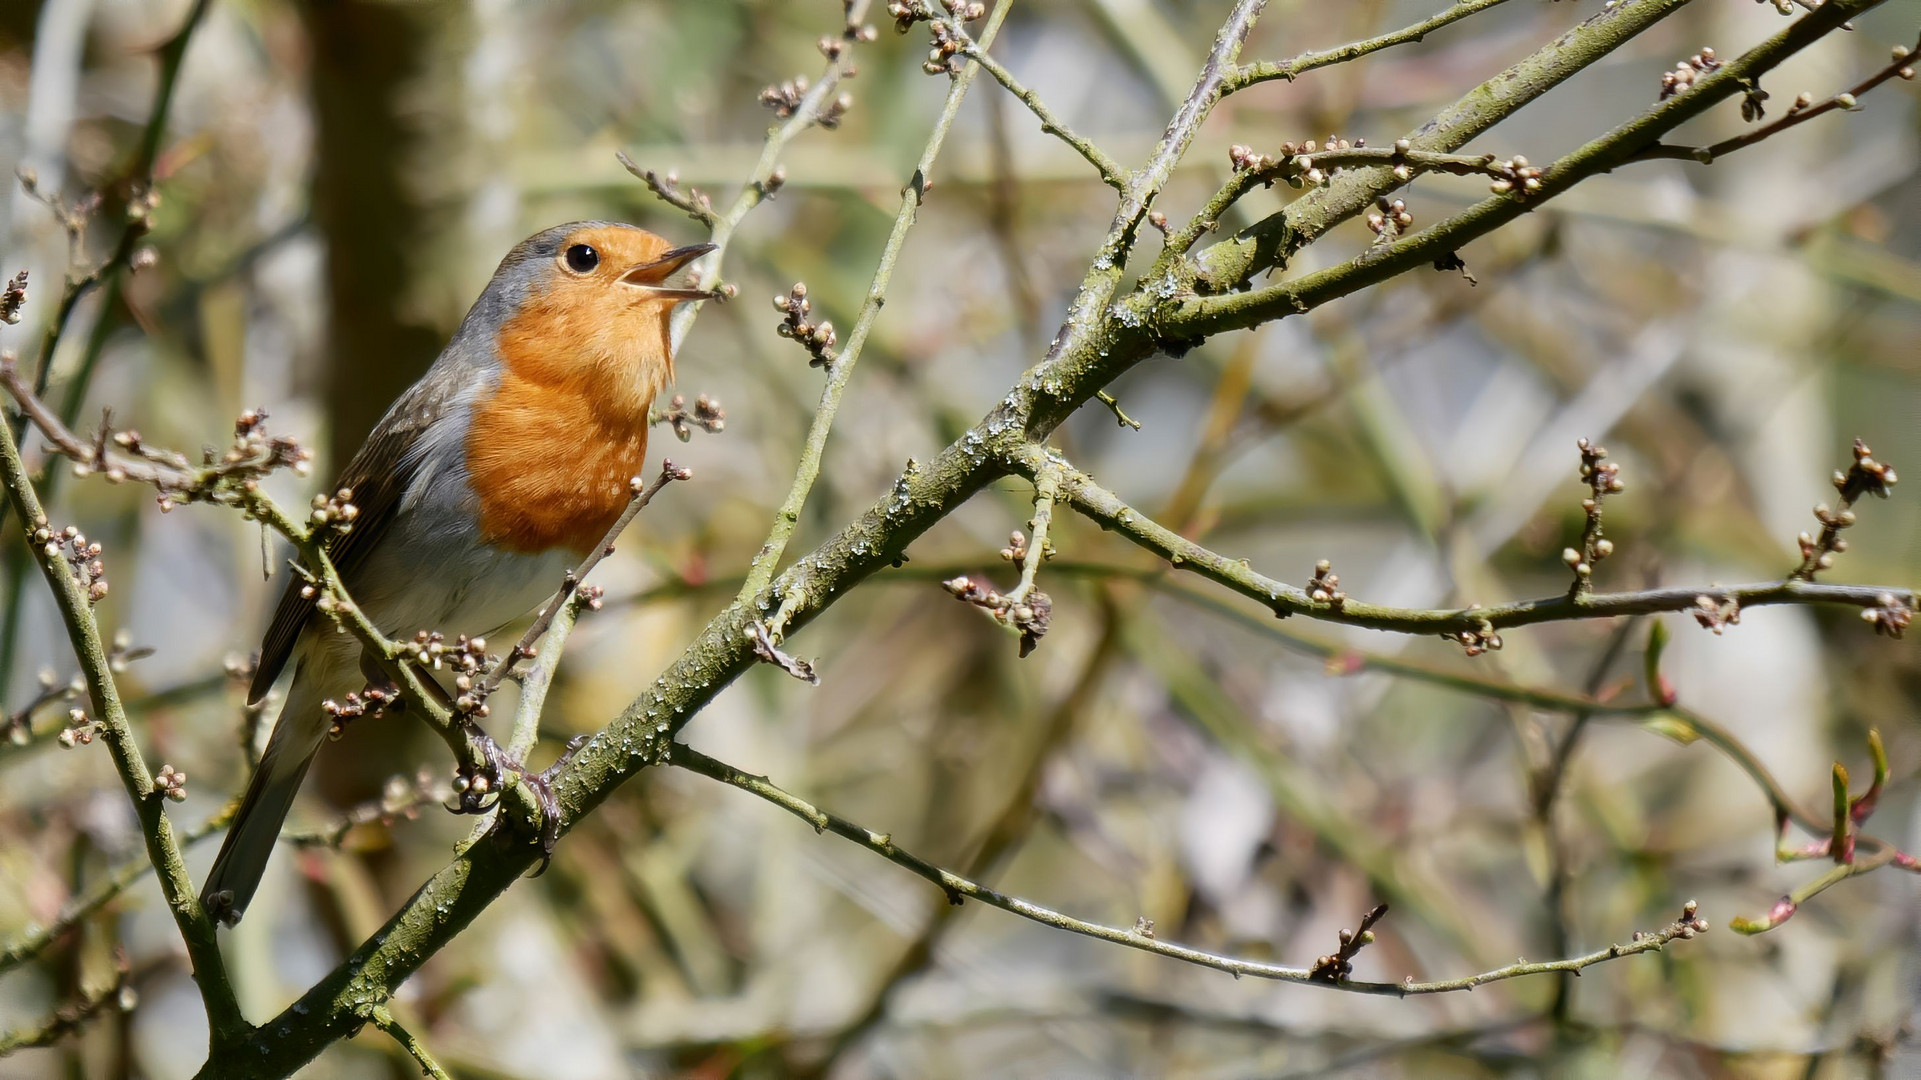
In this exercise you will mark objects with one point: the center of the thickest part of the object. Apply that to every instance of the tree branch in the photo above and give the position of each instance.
(1247, 75)
(1141, 937)
(1107, 510)
(163, 850)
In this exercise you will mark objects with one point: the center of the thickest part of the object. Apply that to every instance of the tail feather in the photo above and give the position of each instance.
(237, 870)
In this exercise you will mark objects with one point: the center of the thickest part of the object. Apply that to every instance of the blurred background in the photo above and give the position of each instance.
(338, 179)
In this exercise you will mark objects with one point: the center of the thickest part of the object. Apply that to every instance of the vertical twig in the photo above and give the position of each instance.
(767, 560)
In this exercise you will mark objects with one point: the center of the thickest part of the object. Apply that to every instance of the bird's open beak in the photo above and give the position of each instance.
(647, 275)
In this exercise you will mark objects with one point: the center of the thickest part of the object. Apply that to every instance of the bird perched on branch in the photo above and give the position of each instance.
(484, 483)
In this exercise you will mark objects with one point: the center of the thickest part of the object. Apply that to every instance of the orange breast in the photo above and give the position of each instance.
(548, 473)
(551, 451)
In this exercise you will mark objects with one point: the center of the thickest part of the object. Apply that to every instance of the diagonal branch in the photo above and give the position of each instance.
(1141, 937)
(1112, 173)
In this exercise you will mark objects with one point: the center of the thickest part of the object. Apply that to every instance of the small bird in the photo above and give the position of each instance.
(482, 485)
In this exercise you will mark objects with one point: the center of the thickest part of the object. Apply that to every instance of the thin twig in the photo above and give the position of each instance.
(72, 1017)
(1797, 114)
(1107, 509)
(383, 1018)
(1112, 174)
(959, 888)
(841, 370)
(767, 176)
(1247, 75)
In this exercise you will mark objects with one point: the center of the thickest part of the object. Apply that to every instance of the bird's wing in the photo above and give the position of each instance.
(380, 475)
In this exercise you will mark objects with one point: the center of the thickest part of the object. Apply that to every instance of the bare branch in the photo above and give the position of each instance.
(1141, 936)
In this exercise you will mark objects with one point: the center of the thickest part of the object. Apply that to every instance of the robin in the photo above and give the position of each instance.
(485, 481)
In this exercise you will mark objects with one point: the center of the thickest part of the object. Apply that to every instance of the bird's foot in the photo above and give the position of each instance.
(477, 789)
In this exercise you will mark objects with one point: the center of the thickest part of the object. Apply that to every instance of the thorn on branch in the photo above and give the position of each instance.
(1337, 967)
(706, 415)
(818, 339)
(767, 652)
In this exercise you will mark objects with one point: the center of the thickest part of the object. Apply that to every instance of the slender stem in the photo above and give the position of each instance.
(69, 1018)
(1796, 115)
(1248, 75)
(1046, 489)
(1784, 908)
(841, 370)
(163, 848)
(1112, 173)
(761, 184)
(1107, 509)
(383, 1019)
(959, 888)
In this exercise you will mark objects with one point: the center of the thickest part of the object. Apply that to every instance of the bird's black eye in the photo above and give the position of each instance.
(582, 259)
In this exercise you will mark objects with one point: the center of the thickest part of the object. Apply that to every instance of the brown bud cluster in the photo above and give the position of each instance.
(1392, 220)
(1325, 587)
(817, 338)
(1716, 615)
(1682, 77)
(13, 298)
(336, 512)
(371, 701)
(81, 556)
(706, 415)
(783, 98)
(1339, 965)
(697, 203)
(79, 730)
(1866, 476)
(832, 113)
(1603, 478)
(466, 657)
(171, 784)
(1028, 615)
(1480, 640)
(1515, 176)
(1890, 617)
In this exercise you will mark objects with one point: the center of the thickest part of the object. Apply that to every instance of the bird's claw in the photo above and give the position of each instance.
(477, 789)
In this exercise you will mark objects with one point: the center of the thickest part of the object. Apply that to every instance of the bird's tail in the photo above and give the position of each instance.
(297, 735)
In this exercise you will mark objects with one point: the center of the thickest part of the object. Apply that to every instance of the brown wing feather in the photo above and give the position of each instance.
(379, 474)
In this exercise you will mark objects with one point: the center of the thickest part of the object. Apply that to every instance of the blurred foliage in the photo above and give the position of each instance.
(339, 179)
